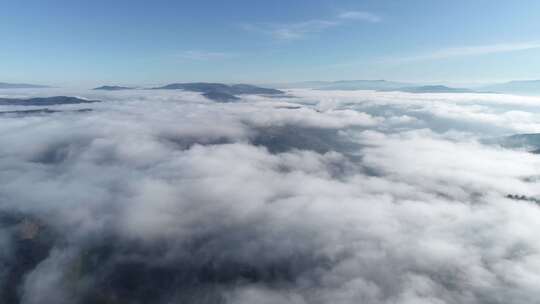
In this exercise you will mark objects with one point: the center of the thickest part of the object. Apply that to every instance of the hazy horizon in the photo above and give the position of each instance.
(95, 84)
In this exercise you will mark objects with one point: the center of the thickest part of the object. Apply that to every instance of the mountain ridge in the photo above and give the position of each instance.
(515, 87)
(44, 101)
(112, 88)
(432, 89)
(220, 92)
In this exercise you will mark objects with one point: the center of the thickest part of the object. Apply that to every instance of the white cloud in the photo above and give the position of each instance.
(485, 114)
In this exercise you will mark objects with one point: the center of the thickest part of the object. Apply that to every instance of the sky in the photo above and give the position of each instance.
(75, 42)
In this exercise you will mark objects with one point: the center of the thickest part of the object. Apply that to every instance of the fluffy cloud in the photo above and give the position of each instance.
(341, 197)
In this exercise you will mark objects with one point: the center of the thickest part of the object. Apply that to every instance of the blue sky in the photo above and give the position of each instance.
(69, 42)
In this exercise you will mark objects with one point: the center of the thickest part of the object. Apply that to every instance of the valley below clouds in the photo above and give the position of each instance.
(155, 196)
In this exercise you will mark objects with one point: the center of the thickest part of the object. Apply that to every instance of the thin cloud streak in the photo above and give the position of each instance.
(465, 51)
(200, 55)
(359, 15)
(300, 30)
(446, 53)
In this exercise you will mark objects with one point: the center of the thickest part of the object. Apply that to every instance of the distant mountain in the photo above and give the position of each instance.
(363, 85)
(431, 89)
(44, 101)
(347, 85)
(525, 87)
(205, 87)
(195, 87)
(374, 85)
(239, 89)
(220, 92)
(220, 97)
(112, 88)
(4, 85)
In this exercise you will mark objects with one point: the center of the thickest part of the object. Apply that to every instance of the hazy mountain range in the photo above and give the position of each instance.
(44, 101)
(224, 92)
(112, 88)
(431, 89)
(347, 85)
(531, 87)
(526, 87)
(5, 85)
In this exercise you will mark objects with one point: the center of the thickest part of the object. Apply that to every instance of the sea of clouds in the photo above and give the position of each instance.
(319, 197)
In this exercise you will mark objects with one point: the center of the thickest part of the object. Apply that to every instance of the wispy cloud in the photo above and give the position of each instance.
(464, 51)
(199, 55)
(299, 30)
(359, 15)
(440, 54)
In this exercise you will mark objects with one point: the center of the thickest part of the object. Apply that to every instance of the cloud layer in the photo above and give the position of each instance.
(324, 197)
